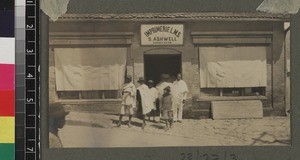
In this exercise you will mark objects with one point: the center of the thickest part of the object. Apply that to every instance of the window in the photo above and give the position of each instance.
(88, 95)
(89, 73)
(227, 92)
(68, 95)
(233, 71)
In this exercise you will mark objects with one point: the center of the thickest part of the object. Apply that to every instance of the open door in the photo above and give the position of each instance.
(157, 64)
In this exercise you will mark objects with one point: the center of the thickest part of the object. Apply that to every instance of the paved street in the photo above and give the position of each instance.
(99, 130)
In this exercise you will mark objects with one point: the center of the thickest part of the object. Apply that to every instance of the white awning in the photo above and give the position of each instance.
(238, 66)
(89, 68)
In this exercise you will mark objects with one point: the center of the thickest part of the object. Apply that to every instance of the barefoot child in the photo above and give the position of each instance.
(128, 100)
(166, 109)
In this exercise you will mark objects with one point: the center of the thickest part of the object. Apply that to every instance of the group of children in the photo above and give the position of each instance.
(148, 100)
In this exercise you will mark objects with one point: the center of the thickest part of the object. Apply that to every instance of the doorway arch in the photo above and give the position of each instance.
(162, 61)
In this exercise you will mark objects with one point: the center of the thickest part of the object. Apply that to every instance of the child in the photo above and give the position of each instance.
(166, 109)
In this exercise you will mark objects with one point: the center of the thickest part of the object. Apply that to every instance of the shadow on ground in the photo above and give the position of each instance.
(261, 139)
(112, 114)
(80, 123)
(158, 126)
(125, 122)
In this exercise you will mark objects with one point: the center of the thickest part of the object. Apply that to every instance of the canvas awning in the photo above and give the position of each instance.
(239, 66)
(89, 68)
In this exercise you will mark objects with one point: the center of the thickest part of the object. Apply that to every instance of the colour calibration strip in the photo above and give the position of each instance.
(20, 79)
(27, 85)
(7, 80)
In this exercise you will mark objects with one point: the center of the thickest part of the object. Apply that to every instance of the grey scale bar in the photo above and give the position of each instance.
(20, 79)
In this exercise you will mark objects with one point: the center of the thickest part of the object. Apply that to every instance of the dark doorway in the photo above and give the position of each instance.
(157, 64)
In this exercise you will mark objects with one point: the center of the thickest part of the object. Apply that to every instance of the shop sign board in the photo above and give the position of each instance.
(162, 34)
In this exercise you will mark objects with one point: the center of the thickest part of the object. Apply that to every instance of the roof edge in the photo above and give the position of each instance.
(242, 16)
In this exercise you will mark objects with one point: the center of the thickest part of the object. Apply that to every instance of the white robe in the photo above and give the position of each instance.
(154, 94)
(129, 98)
(161, 86)
(146, 98)
(54, 141)
(179, 90)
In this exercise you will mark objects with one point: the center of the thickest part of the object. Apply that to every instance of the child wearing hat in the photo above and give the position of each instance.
(166, 108)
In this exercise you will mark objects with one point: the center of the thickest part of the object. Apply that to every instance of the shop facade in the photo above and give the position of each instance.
(222, 57)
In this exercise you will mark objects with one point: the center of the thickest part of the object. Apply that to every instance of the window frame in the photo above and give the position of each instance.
(233, 38)
(80, 96)
(90, 39)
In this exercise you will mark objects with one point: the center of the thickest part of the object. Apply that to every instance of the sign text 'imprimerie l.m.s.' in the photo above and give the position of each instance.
(164, 34)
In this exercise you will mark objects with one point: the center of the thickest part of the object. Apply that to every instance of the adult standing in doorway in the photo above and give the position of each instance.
(179, 93)
(144, 100)
(128, 100)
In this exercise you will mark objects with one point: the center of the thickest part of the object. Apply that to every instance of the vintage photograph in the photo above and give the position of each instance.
(168, 79)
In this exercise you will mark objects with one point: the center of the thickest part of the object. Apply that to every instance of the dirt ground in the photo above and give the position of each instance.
(99, 129)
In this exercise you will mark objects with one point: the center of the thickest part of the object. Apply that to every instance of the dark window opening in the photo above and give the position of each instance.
(88, 95)
(247, 91)
(68, 95)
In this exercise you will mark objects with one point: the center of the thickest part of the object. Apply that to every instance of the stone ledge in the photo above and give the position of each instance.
(236, 109)
(224, 98)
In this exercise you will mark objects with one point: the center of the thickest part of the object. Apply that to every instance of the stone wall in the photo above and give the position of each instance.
(52, 88)
(278, 70)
